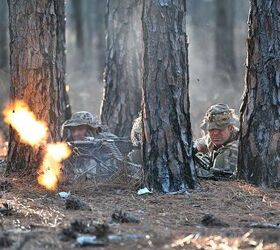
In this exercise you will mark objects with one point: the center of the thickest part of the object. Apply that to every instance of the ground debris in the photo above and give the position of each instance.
(7, 209)
(84, 227)
(5, 240)
(118, 238)
(5, 186)
(42, 222)
(265, 225)
(3, 163)
(75, 203)
(209, 220)
(121, 217)
(86, 240)
(102, 230)
(67, 234)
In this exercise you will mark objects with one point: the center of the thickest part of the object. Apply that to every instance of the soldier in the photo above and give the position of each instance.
(83, 126)
(216, 152)
(95, 153)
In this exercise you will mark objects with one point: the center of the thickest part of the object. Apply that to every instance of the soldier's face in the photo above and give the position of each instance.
(78, 133)
(220, 136)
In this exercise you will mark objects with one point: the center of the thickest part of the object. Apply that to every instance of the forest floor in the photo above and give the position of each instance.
(220, 215)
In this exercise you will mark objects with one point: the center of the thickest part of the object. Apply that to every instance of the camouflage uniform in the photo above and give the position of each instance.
(222, 161)
(85, 118)
(105, 154)
(135, 155)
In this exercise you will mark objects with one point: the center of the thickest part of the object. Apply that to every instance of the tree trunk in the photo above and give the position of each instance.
(99, 33)
(122, 93)
(167, 138)
(259, 161)
(224, 41)
(4, 33)
(64, 103)
(37, 69)
(78, 19)
(89, 9)
(4, 87)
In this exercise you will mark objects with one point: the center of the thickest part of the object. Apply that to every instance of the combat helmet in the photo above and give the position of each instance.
(219, 116)
(82, 118)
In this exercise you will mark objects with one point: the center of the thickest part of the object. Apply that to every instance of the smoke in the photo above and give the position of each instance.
(84, 73)
(207, 84)
(84, 65)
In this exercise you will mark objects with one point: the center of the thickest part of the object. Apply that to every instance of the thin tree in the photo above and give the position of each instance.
(225, 65)
(122, 77)
(64, 102)
(3, 63)
(77, 7)
(99, 28)
(3, 36)
(167, 138)
(259, 161)
(36, 69)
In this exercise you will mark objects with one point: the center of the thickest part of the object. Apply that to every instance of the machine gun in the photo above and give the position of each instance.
(204, 162)
(201, 160)
(99, 151)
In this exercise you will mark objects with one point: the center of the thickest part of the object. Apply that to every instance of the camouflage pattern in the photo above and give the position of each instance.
(219, 162)
(222, 161)
(98, 158)
(82, 118)
(135, 156)
(219, 116)
(136, 132)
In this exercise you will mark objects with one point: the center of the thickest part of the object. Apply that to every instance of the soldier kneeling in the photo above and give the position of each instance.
(216, 152)
(94, 151)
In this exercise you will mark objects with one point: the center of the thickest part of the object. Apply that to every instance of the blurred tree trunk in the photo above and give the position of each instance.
(89, 28)
(122, 77)
(88, 9)
(167, 138)
(200, 12)
(36, 69)
(99, 34)
(77, 7)
(259, 161)
(4, 33)
(4, 86)
(64, 103)
(225, 65)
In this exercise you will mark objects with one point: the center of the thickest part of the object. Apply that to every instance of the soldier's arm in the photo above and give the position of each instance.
(202, 144)
(225, 162)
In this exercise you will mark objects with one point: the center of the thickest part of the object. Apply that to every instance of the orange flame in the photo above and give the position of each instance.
(50, 170)
(35, 133)
(31, 131)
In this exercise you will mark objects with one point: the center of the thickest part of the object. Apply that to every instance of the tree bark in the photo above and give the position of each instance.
(37, 70)
(78, 19)
(167, 138)
(122, 77)
(4, 34)
(99, 33)
(259, 161)
(224, 41)
(64, 102)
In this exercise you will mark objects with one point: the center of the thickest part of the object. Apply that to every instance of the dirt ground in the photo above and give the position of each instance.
(220, 215)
